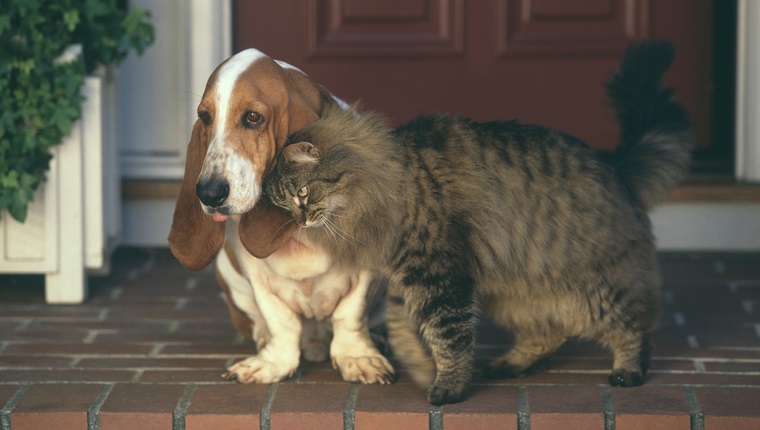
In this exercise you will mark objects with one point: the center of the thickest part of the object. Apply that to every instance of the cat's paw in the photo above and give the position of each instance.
(499, 369)
(439, 395)
(502, 369)
(625, 378)
(368, 370)
(256, 369)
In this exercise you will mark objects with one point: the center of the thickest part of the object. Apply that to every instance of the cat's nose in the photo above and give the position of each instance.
(212, 192)
(300, 218)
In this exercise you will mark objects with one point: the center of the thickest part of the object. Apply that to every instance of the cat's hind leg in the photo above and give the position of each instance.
(631, 310)
(406, 344)
(535, 336)
(632, 353)
(528, 348)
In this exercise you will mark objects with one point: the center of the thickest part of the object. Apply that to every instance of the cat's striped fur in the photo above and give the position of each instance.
(544, 236)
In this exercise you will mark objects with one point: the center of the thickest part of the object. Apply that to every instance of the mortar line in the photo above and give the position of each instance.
(138, 374)
(178, 416)
(696, 418)
(5, 413)
(349, 410)
(191, 284)
(25, 323)
(435, 418)
(93, 412)
(609, 408)
(523, 409)
(266, 408)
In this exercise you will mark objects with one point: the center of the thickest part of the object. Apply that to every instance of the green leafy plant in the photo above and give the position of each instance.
(40, 87)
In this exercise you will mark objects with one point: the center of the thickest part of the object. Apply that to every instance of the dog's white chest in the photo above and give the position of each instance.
(299, 260)
(302, 277)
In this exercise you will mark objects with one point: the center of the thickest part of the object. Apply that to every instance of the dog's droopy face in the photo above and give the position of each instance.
(237, 115)
(250, 104)
(249, 107)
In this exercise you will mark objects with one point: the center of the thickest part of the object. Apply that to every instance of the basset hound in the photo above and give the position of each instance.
(281, 291)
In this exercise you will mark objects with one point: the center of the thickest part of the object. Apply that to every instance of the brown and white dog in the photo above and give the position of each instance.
(279, 288)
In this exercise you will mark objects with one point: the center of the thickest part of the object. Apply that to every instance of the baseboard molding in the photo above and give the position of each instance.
(150, 189)
(700, 216)
(695, 189)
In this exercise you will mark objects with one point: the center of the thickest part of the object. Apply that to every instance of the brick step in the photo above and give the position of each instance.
(349, 406)
(148, 349)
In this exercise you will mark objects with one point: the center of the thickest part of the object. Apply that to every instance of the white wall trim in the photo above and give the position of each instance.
(161, 89)
(210, 47)
(748, 92)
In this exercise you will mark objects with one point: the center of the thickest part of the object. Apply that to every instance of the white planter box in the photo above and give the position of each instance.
(75, 220)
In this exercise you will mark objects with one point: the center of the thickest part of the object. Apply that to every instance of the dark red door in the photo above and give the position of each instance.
(542, 61)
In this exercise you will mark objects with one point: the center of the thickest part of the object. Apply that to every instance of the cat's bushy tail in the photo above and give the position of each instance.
(656, 137)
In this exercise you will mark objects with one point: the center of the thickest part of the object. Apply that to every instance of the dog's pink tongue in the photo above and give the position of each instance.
(219, 217)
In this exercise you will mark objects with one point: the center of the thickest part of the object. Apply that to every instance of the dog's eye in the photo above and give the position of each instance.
(205, 117)
(304, 191)
(252, 119)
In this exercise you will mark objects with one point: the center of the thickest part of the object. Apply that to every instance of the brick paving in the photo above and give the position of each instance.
(148, 349)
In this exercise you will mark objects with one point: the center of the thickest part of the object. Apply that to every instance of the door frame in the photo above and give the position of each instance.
(747, 126)
(205, 49)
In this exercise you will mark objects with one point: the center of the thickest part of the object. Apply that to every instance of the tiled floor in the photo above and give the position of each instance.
(149, 347)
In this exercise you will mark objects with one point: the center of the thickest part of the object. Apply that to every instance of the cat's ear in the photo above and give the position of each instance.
(300, 152)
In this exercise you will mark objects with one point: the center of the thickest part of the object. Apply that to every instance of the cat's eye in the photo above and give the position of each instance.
(304, 191)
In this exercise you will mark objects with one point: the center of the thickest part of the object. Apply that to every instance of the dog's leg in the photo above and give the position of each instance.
(279, 358)
(244, 313)
(352, 349)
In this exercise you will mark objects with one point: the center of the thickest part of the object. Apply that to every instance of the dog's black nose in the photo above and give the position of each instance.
(213, 192)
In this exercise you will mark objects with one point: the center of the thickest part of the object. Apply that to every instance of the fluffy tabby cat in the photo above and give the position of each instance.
(521, 223)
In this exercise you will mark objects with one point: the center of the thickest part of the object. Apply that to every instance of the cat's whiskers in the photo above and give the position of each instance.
(335, 214)
(329, 229)
(345, 236)
(281, 227)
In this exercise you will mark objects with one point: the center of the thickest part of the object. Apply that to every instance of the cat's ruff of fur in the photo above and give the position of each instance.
(546, 237)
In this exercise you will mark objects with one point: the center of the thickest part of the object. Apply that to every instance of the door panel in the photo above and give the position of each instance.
(377, 28)
(541, 61)
(556, 27)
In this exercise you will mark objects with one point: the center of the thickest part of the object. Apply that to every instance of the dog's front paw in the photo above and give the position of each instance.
(372, 369)
(256, 369)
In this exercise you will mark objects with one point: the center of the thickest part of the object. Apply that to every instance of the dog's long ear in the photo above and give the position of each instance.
(307, 100)
(194, 237)
(304, 106)
(265, 228)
